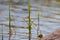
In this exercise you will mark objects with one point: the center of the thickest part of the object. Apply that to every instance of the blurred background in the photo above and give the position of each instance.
(54, 3)
(49, 18)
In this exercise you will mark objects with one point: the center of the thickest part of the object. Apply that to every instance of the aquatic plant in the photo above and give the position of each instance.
(2, 32)
(38, 20)
(29, 20)
(9, 19)
(38, 28)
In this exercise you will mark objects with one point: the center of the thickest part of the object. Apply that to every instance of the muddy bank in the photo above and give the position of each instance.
(55, 35)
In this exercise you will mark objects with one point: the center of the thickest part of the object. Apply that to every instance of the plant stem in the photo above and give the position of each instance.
(9, 19)
(38, 21)
(29, 20)
(2, 32)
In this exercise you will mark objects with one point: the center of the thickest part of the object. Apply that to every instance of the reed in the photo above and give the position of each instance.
(38, 28)
(2, 32)
(29, 20)
(38, 21)
(9, 20)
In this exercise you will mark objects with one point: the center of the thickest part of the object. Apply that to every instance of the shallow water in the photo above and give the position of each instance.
(49, 21)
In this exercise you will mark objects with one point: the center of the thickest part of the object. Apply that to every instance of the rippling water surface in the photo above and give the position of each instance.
(49, 20)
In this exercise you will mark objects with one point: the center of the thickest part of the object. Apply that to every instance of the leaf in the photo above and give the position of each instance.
(28, 27)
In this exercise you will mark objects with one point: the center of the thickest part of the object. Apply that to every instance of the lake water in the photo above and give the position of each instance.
(49, 21)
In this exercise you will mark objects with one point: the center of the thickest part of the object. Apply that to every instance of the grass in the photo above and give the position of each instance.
(9, 19)
(29, 24)
(38, 20)
(38, 29)
(29, 20)
(2, 32)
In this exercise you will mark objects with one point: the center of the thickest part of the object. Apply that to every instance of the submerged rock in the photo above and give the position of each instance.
(55, 35)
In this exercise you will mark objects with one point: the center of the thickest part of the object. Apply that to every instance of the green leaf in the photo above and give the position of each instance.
(28, 27)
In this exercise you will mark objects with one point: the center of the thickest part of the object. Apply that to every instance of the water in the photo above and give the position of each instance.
(49, 21)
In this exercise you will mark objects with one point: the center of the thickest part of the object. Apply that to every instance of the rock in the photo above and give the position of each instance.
(55, 35)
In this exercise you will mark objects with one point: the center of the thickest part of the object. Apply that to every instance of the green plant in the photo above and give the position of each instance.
(38, 29)
(2, 32)
(29, 20)
(9, 20)
(38, 20)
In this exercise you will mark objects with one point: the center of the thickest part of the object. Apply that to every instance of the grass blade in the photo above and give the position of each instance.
(38, 29)
(9, 19)
(29, 20)
(38, 21)
(2, 32)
